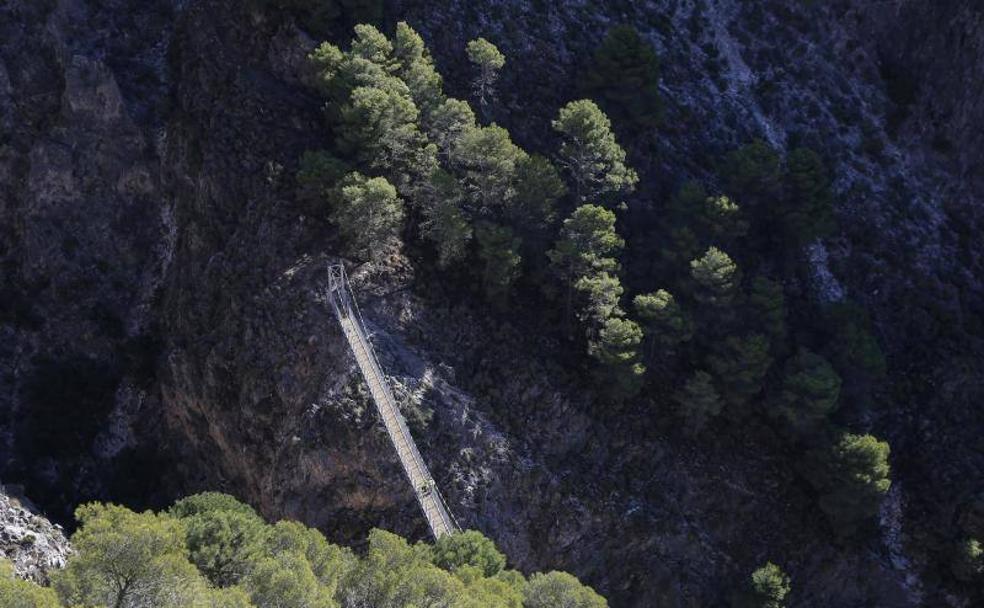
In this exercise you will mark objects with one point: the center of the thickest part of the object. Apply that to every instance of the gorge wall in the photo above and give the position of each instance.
(162, 329)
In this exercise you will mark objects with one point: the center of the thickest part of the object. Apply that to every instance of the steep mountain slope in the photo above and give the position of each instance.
(163, 330)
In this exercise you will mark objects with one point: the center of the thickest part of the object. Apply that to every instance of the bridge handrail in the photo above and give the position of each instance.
(343, 302)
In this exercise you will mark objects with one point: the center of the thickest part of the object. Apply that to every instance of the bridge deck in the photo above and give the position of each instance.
(426, 491)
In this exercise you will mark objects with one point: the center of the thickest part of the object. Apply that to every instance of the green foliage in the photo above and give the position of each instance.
(560, 589)
(663, 317)
(124, 558)
(329, 563)
(318, 173)
(851, 477)
(967, 560)
(286, 581)
(373, 92)
(598, 297)
(754, 172)
(767, 588)
(416, 69)
(498, 253)
(624, 78)
(810, 392)
(394, 574)
(373, 46)
(445, 223)
(489, 61)
(328, 61)
(767, 308)
(450, 121)
(581, 259)
(208, 503)
(587, 242)
(368, 213)
(224, 544)
(716, 277)
(228, 597)
(379, 126)
(488, 159)
(538, 188)
(666, 324)
(807, 213)
(15, 593)
(739, 365)
(488, 592)
(590, 154)
(853, 346)
(722, 219)
(617, 346)
(698, 401)
(468, 548)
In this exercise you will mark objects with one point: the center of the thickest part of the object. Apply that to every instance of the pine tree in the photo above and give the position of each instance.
(498, 253)
(682, 244)
(372, 45)
(808, 210)
(753, 173)
(810, 392)
(489, 61)
(327, 60)
(716, 277)
(666, 325)
(17, 593)
(533, 211)
(851, 477)
(767, 588)
(489, 158)
(538, 187)
(624, 78)
(967, 560)
(722, 219)
(368, 213)
(590, 154)
(468, 548)
(698, 401)
(380, 128)
(122, 558)
(587, 243)
(599, 294)
(416, 69)
(445, 224)
(449, 123)
(739, 365)
(767, 309)
(317, 174)
(616, 347)
(560, 589)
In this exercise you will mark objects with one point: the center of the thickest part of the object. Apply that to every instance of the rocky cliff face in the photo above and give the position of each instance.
(163, 330)
(30, 542)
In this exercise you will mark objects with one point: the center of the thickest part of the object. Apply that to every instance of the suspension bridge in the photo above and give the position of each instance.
(432, 503)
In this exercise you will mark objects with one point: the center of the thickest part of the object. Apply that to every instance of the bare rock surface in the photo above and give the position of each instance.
(162, 329)
(28, 540)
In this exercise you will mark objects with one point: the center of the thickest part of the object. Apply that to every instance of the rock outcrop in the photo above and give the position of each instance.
(28, 540)
(161, 329)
